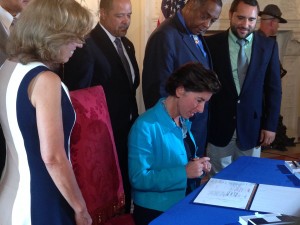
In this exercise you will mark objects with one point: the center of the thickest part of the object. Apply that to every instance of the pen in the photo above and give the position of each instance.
(296, 164)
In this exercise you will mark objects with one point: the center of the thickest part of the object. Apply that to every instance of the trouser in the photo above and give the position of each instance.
(143, 216)
(220, 157)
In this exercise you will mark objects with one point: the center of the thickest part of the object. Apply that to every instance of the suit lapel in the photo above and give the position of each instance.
(102, 40)
(256, 56)
(131, 54)
(105, 44)
(207, 52)
(3, 38)
(225, 63)
(192, 46)
(187, 39)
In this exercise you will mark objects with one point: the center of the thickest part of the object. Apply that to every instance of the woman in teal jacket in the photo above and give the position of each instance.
(162, 151)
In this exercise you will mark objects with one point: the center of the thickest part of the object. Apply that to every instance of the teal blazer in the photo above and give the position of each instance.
(157, 159)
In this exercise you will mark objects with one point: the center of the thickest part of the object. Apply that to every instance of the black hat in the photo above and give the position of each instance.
(273, 10)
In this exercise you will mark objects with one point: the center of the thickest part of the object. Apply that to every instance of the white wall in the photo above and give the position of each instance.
(135, 34)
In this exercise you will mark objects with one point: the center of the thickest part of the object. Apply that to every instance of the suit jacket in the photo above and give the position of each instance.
(98, 63)
(3, 38)
(169, 47)
(3, 57)
(244, 113)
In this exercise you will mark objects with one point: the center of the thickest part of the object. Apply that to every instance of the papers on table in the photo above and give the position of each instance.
(251, 196)
(226, 193)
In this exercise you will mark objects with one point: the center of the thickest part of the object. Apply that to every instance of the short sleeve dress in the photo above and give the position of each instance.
(28, 195)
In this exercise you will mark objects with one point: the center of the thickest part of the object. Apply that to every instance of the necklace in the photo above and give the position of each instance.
(183, 127)
(182, 121)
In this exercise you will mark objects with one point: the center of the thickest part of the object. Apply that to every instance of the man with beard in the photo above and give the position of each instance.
(247, 64)
(9, 12)
(108, 59)
(177, 41)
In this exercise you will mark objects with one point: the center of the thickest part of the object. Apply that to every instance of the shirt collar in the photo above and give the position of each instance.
(233, 38)
(165, 118)
(111, 37)
(6, 18)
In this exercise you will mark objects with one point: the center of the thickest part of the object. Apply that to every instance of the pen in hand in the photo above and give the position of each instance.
(205, 162)
(296, 164)
(196, 166)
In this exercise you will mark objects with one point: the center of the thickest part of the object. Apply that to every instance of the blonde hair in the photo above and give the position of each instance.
(44, 26)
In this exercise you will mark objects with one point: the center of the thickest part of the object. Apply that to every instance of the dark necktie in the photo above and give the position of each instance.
(242, 63)
(124, 59)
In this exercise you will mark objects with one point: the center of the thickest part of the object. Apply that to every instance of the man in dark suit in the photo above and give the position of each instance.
(237, 124)
(9, 9)
(98, 63)
(176, 41)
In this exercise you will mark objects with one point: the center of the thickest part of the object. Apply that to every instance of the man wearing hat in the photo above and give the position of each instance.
(270, 19)
(269, 24)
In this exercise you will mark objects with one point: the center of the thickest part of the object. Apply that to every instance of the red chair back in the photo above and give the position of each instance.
(94, 157)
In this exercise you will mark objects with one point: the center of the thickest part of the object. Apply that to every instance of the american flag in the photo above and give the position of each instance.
(169, 8)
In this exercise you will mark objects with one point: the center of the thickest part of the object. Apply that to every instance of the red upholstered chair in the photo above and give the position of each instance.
(94, 158)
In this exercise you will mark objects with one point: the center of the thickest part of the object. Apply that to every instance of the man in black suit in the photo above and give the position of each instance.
(99, 63)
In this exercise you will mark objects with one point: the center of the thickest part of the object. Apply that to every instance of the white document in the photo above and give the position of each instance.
(226, 193)
(245, 195)
(277, 199)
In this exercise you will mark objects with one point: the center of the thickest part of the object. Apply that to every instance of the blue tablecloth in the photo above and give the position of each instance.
(250, 169)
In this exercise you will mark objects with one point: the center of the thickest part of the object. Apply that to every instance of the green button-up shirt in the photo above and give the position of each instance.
(234, 52)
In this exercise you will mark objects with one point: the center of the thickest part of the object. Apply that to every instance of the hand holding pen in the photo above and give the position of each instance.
(207, 166)
(197, 166)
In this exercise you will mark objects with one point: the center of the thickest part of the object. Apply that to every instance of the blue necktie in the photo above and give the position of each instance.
(199, 44)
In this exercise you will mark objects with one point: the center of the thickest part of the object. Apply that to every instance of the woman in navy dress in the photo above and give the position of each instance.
(38, 186)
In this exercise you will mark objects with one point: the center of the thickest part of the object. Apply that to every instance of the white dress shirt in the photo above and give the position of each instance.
(6, 19)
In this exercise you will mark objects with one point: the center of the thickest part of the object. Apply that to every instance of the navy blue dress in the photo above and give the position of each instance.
(30, 193)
